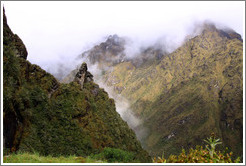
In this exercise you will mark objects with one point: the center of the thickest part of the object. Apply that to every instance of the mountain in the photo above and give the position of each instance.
(43, 115)
(183, 96)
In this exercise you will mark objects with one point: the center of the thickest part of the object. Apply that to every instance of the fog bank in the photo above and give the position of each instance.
(57, 32)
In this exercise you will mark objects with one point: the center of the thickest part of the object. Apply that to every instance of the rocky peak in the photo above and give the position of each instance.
(109, 52)
(230, 34)
(115, 40)
(226, 32)
(114, 44)
(83, 75)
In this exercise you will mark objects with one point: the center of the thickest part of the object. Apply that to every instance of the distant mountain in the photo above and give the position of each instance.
(45, 116)
(181, 97)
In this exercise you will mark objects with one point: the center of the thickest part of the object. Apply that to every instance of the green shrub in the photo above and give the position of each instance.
(115, 155)
(200, 155)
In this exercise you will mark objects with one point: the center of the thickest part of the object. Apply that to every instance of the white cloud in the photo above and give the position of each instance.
(59, 31)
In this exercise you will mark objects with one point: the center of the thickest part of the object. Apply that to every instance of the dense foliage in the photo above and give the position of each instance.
(113, 155)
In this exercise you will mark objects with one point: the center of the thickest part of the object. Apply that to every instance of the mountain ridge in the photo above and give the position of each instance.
(206, 68)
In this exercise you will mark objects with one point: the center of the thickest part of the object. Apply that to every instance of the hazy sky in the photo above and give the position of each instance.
(59, 31)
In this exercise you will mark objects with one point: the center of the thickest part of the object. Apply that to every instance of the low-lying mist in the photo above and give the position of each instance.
(60, 67)
(123, 108)
(166, 41)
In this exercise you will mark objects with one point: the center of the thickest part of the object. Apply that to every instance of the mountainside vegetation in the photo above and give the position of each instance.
(177, 98)
(183, 96)
(41, 115)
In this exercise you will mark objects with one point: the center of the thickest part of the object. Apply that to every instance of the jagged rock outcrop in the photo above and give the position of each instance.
(83, 75)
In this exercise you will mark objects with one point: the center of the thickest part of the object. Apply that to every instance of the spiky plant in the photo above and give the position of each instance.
(212, 142)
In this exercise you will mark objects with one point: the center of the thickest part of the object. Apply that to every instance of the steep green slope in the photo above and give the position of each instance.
(41, 115)
(184, 96)
(200, 100)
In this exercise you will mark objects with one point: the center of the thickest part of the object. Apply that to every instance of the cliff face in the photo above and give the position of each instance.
(42, 115)
(184, 96)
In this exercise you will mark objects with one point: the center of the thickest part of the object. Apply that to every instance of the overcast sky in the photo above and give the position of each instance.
(59, 31)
